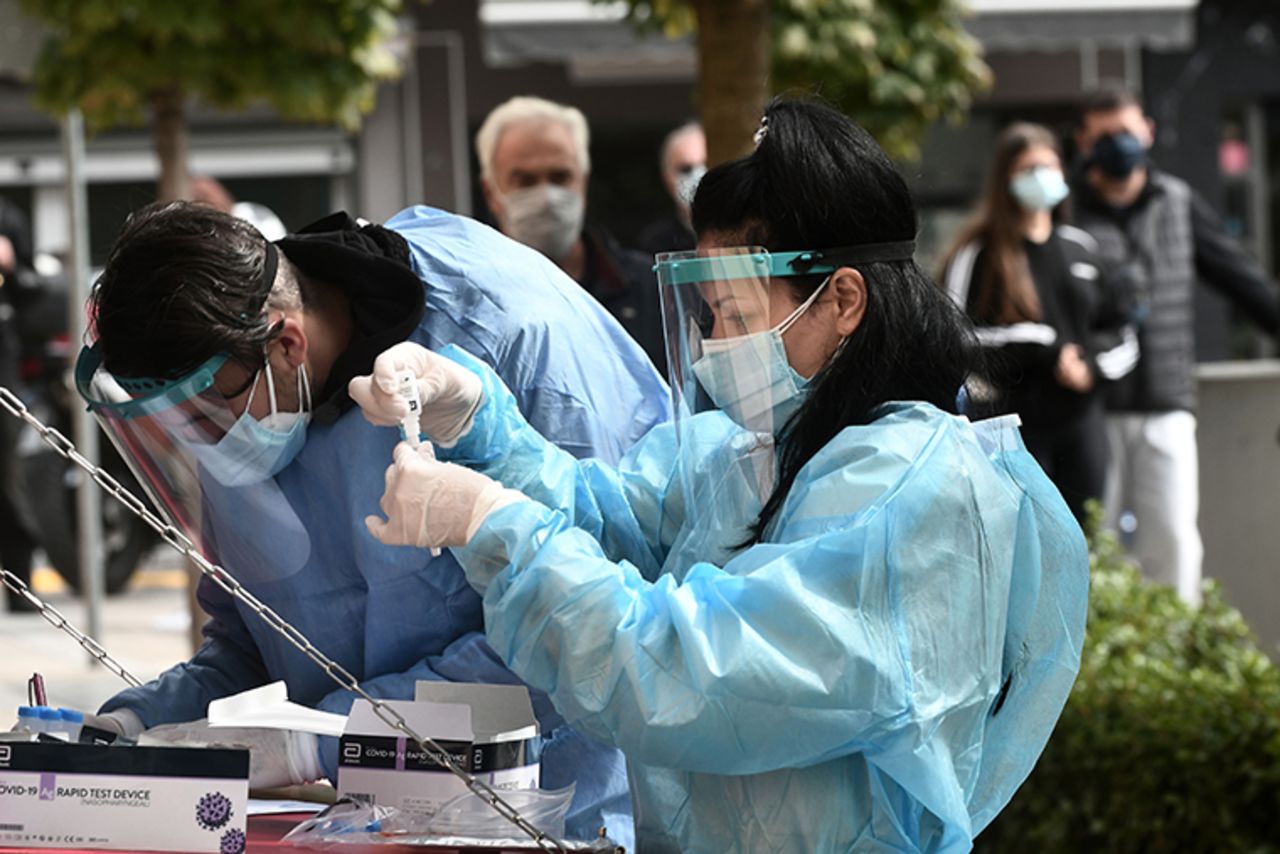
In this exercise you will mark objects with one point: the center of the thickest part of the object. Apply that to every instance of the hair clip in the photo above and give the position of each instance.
(762, 131)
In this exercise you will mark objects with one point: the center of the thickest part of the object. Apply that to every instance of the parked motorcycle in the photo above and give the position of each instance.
(51, 480)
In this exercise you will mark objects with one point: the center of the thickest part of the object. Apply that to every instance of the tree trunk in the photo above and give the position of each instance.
(733, 73)
(169, 136)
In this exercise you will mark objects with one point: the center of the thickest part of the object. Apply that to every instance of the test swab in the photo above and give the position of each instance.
(410, 429)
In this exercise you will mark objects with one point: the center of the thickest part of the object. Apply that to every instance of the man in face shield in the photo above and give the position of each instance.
(534, 168)
(220, 367)
(1160, 238)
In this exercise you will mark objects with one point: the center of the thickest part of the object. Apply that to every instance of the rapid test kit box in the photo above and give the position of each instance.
(131, 798)
(489, 730)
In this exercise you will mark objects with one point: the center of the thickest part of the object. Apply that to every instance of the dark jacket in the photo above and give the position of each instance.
(668, 234)
(1159, 247)
(623, 281)
(1076, 308)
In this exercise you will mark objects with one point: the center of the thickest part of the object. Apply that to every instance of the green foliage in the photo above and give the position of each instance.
(895, 66)
(1170, 740)
(313, 60)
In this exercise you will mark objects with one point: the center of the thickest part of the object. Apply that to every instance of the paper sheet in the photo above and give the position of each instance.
(268, 707)
(263, 807)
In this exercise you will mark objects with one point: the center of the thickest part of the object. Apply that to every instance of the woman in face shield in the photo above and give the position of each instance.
(818, 611)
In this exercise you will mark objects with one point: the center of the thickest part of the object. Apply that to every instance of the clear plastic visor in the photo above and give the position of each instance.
(716, 303)
(171, 433)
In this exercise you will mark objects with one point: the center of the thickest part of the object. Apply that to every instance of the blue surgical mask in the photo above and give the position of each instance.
(253, 450)
(1039, 189)
(749, 377)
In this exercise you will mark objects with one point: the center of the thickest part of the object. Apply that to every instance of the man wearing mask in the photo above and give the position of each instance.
(1160, 238)
(683, 162)
(534, 167)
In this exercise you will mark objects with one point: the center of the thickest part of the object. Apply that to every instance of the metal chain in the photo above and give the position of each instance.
(335, 671)
(54, 616)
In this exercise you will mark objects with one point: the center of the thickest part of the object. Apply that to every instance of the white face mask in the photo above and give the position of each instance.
(749, 376)
(1039, 189)
(687, 184)
(254, 450)
(546, 217)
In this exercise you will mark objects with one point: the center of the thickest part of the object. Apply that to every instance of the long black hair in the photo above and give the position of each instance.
(818, 181)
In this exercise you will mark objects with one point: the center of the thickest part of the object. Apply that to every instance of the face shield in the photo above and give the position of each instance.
(725, 315)
(209, 465)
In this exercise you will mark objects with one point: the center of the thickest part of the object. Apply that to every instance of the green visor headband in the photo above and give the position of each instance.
(762, 264)
(135, 396)
(131, 397)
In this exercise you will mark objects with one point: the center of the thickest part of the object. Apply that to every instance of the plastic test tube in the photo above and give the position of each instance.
(50, 721)
(407, 388)
(410, 429)
(72, 721)
(28, 719)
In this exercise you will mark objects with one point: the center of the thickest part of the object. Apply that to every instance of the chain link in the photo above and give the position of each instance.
(56, 618)
(179, 541)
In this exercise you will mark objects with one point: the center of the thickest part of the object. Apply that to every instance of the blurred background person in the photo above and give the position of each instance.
(534, 168)
(1031, 288)
(17, 544)
(210, 191)
(683, 162)
(1161, 238)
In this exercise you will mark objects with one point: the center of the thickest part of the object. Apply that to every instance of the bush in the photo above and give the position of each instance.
(1170, 740)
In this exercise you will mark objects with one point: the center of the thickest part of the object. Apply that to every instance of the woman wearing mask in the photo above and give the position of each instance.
(1033, 291)
(819, 611)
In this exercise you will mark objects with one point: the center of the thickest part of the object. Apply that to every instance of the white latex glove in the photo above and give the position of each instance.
(450, 394)
(431, 504)
(123, 722)
(277, 757)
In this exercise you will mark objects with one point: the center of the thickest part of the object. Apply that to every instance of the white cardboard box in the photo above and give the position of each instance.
(133, 798)
(489, 729)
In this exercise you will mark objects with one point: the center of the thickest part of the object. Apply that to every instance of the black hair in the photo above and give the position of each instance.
(1105, 99)
(818, 181)
(182, 283)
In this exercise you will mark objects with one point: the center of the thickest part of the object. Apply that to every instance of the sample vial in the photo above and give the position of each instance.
(407, 388)
(28, 719)
(72, 721)
(50, 721)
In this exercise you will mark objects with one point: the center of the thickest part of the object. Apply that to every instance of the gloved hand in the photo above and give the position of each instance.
(277, 757)
(450, 394)
(431, 504)
(123, 722)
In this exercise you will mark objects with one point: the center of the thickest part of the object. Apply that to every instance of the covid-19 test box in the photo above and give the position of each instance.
(130, 798)
(489, 730)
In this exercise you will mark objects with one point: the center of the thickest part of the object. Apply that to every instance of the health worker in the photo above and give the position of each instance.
(220, 369)
(819, 610)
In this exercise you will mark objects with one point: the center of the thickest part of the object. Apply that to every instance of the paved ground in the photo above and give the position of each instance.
(145, 629)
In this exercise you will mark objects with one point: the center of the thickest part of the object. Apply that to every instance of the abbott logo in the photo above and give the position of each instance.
(351, 751)
(5, 752)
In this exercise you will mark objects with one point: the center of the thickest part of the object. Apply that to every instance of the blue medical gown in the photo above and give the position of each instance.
(394, 615)
(879, 675)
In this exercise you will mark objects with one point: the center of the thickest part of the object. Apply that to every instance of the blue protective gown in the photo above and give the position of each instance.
(879, 675)
(392, 615)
